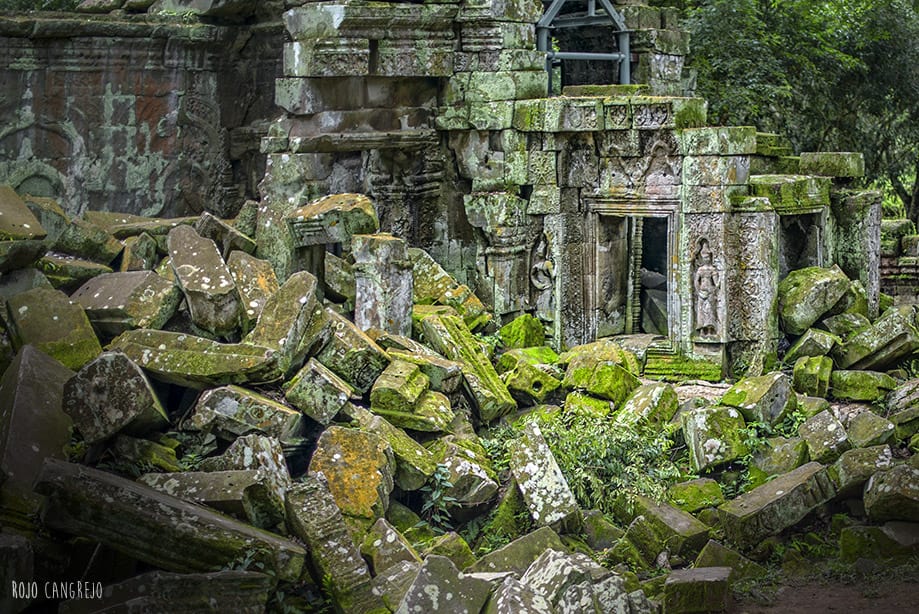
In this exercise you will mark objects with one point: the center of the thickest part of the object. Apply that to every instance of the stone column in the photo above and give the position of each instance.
(383, 283)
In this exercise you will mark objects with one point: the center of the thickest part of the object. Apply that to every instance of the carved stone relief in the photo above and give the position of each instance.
(706, 283)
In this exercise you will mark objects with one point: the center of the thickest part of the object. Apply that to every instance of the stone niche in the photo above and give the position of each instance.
(135, 113)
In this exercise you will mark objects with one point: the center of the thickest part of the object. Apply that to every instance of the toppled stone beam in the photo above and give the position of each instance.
(116, 302)
(314, 517)
(230, 412)
(196, 362)
(776, 505)
(154, 527)
(544, 488)
(450, 336)
(352, 355)
(213, 300)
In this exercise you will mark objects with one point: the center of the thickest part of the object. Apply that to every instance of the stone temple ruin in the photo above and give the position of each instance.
(301, 302)
(606, 210)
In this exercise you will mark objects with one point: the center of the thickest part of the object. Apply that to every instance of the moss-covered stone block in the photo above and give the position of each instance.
(765, 398)
(54, 324)
(867, 429)
(715, 554)
(694, 495)
(833, 164)
(814, 342)
(893, 494)
(702, 589)
(384, 546)
(860, 385)
(718, 141)
(452, 546)
(780, 455)
(807, 294)
(811, 375)
(892, 337)
(774, 506)
(450, 336)
(825, 436)
(792, 194)
(352, 355)
(398, 388)
(893, 540)
(530, 384)
(714, 436)
(523, 332)
(650, 406)
(855, 467)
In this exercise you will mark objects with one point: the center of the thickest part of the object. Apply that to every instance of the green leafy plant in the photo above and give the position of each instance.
(434, 510)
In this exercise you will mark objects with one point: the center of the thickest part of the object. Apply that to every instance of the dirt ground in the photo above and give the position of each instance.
(892, 597)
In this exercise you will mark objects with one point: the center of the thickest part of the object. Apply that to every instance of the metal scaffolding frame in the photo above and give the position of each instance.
(608, 15)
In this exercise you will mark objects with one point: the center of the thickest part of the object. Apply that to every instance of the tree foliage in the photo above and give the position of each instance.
(833, 75)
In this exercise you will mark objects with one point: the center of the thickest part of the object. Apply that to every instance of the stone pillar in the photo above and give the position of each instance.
(858, 240)
(383, 280)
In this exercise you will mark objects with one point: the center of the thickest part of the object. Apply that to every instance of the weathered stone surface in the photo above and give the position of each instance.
(860, 385)
(811, 375)
(518, 555)
(814, 342)
(87, 241)
(512, 596)
(398, 388)
(154, 527)
(603, 369)
(893, 494)
(575, 583)
(776, 505)
(713, 436)
(440, 586)
(314, 517)
(225, 237)
(340, 285)
(230, 412)
(825, 436)
(779, 455)
(893, 540)
(694, 495)
(54, 324)
(383, 283)
(854, 468)
(473, 480)
(715, 554)
(209, 8)
(20, 253)
(139, 254)
(523, 332)
(352, 355)
(846, 325)
(529, 384)
(384, 546)
(67, 273)
(292, 322)
(414, 463)
(678, 531)
(544, 488)
(807, 294)
(392, 584)
(833, 164)
(196, 362)
(891, 338)
(116, 302)
(444, 375)
(451, 337)
(317, 392)
(650, 406)
(109, 395)
(16, 220)
(434, 286)
(256, 282)
(358, 467)
(703, 589)
(261, 454)
(333, 219)
(240, 591)
(241, 493)
(452, 546)
(869, 429)
(33, 426)
(22, 280)
(903, 408)
(766, 398)
(210, 292)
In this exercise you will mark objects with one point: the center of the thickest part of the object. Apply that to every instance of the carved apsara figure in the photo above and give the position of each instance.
(706, 282)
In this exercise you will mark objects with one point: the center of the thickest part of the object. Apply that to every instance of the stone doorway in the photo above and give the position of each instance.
(634, 278)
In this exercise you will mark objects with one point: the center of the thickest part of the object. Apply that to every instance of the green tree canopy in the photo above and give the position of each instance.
(833, 75)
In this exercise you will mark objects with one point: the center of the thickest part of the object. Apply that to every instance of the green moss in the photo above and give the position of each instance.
(680, 368)
(509, 520)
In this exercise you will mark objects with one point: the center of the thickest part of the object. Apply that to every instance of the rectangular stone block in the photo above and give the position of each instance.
(720, 141)
(712, 199)
(716, 170)
(327, 58)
